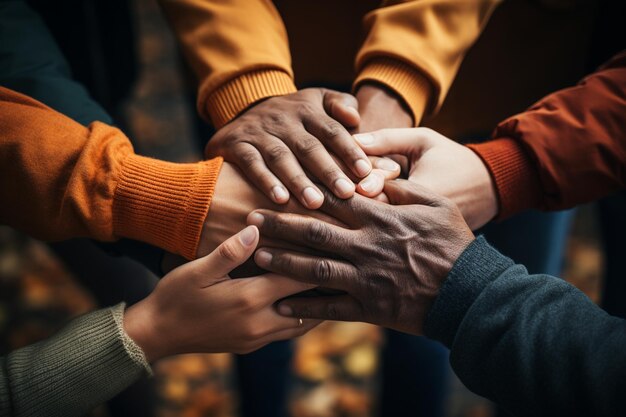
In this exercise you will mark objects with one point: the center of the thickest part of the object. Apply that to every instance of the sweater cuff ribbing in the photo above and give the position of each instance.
(404, 80)
(514, 174)
(164, 203)
(230, 99)
(84, 365)
(478, 265)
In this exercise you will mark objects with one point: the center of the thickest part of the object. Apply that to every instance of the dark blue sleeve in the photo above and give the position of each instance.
(534, 344)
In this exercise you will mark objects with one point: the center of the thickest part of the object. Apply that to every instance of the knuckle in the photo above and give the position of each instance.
(317, 233)
(332, 130)
(323, 271)
(307, 109)
(248, 300)
(248, 158)
(229, 251)
(276, 153)
(308, 145)
(246, 130)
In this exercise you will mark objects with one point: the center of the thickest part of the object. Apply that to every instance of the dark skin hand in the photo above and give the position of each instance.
(279, 140)
(381, 108)
(390, 260)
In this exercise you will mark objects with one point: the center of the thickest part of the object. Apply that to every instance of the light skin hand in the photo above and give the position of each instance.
(442, 165)
(380, 108)
(277, 141)
(390, 260)
(198, 308)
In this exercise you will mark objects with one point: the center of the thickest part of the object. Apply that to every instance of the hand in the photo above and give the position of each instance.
(235, 197)
(276, 140)
(390, 260)
(380, 108)
(199, 308)
(442, 165)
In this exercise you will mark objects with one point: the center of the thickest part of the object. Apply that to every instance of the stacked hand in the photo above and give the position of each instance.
(199, 308)
(277, 142)
(441, 165)
(390, 260)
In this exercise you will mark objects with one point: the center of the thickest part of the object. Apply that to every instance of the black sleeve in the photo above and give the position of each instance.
(534, 344)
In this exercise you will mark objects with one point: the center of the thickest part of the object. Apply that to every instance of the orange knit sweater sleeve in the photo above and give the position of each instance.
(240, 51)
(415, 47)
(569, 148)
(237, 48)
(59, 180)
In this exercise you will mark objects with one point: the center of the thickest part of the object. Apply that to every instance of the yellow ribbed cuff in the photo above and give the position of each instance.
(164, 203)
(230, 99)
(405, 80)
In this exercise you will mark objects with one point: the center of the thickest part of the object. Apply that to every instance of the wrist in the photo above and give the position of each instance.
(140, 325)
(233, 97)
(380, 108)
(515, 180)
(409, 84)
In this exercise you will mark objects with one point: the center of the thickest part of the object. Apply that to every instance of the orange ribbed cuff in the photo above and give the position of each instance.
(230, 99)
(514, 174)
(164, 203)
(405, 80)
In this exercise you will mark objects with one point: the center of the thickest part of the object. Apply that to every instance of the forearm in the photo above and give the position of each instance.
(62, 180)
(565, 150)
(532, 343)
(414, 48)
(238, 49)
(85, 364)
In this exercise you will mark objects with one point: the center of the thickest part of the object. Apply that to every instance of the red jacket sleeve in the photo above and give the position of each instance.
(567, 149)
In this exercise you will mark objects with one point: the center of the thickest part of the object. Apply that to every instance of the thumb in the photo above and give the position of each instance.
(233, 252)
(403, 141)
(342, 107)
(404, 192)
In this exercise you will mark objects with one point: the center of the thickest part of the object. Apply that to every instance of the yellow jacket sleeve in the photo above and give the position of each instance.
(237, 48)
(60, 180)
(416, 47)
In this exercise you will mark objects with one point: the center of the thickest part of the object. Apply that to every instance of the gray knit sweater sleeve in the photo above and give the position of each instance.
(532, 343)
(85, 364)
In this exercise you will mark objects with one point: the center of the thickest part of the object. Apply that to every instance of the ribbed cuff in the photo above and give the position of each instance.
(514, 174)
(84, 365)
(478, 265)
(405, 80)
(225, 103)
(163, 203)
(134, 351)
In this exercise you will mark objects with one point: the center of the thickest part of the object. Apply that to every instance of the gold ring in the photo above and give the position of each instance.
(299, 322)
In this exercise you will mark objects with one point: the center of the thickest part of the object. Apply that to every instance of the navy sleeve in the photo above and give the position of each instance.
(534, 344)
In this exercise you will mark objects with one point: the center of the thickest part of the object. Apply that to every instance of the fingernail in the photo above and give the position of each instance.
(344, 187)
(369, 184)
(312, 196)
(363, 167)
(263, 258)
(248, 235)
(256, 219)
(280, 194)
(364, 139)
(285, 310)
(387, 165)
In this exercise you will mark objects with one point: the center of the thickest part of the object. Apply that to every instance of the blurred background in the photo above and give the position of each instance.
(336, 366)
